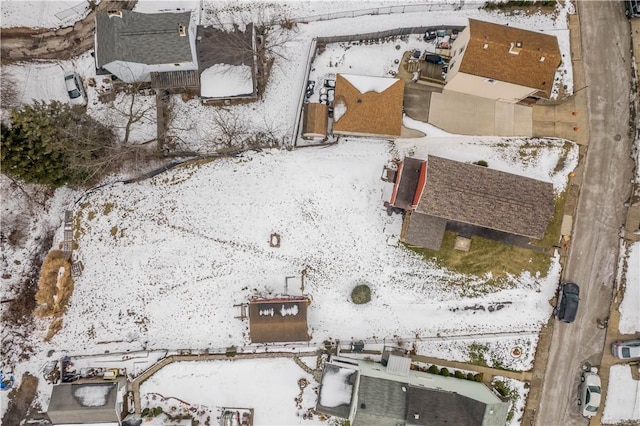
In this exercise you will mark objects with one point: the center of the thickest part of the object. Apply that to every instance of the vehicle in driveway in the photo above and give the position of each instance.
(568, 304)
(589, 392)
(627, 349)
(74, 87)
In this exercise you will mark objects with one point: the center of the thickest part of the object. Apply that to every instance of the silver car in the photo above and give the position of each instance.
(627, 349)
(73, 84)
(589, 392)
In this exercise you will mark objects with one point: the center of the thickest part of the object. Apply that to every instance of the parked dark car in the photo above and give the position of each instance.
(568, 304)
(632, 8)
(430, 35)
(434, 59)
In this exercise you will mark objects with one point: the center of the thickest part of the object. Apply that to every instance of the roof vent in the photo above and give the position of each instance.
(541, 58)
(182, 30)
(116, 13)
(515, 48)
(485, 46)
(416, 416)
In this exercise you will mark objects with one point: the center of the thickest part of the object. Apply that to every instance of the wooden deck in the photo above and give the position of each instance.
(175, 80)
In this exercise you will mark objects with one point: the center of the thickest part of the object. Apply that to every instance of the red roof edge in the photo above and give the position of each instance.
(394, 194)
(421, 182)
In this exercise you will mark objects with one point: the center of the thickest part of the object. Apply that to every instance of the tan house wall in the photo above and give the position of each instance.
(456, 56)
(486, 88)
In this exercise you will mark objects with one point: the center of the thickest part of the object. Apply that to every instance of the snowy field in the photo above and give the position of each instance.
(42, 13)
(181, 249)
(629, 312)
(269, 386)
(623, 397)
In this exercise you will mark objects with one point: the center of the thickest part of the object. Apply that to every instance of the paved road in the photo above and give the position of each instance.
(600, 214)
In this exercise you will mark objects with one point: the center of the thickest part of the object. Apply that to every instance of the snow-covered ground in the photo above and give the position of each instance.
(269, 386)
(629, 311)
(517, 398)
(180, 249)
(623, 397)
(166, 259)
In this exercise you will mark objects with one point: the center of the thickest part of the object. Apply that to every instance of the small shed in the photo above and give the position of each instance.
(316, 121)
(93, 402)
(278, 320)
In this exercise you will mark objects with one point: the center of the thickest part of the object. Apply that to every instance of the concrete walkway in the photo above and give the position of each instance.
(134, 386)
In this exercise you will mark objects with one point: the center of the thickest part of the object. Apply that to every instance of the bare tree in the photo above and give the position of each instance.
(231, 131)
(134, 110)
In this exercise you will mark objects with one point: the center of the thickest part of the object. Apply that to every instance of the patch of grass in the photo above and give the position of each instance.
(552, 234)
(55, 285)
(361, 294)
(54, 327)
(91, 215)
(114, 231)
(107, 208)
(476, 354)
(486, 256)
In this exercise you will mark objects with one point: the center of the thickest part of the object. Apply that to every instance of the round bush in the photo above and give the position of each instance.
(444, 372)
(433, 369)
(361, 294)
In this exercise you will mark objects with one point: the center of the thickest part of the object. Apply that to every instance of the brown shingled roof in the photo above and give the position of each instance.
(485, 197)
(316, 119)
(524, 69)
(370, 113)
(268, 324)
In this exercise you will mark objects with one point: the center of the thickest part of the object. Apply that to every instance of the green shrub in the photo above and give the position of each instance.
(231, 351)
(433, 370)
(444, 372)
(458, 374)
(501, 388)
(478, 377)
(470, 376)
(481, 163)
(361, 294)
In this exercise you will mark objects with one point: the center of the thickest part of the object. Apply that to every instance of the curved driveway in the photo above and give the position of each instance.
(601, 211)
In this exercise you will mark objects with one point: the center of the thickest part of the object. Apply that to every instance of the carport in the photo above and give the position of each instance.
(472, 115)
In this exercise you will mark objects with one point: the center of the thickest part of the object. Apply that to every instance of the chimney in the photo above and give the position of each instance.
(541, 58)
(485, 46)
(182, 30)
(116, 13)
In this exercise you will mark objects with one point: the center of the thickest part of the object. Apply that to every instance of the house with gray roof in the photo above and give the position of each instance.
(395, 395)
(90, 402)
(438, 192)
(133, 46)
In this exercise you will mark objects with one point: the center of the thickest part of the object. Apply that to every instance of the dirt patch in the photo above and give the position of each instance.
(20, 400)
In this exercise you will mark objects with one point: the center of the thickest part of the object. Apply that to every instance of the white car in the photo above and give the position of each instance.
(73, 84)
(589, 392)
(627, 349)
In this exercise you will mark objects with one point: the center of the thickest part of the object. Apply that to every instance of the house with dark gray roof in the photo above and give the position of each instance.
(437, 192)
(133, 46)
(90, 402)
(395, 395)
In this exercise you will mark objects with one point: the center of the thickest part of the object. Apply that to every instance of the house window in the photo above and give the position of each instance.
(461, 50)
(490, 81)
(451, 64)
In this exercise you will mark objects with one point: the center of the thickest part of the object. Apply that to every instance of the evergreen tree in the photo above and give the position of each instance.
(54, 144)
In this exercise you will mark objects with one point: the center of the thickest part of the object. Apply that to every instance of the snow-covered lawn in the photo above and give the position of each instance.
(269, 386)
(623, 396)
(42, 13)
(166, 259)
(629, 312)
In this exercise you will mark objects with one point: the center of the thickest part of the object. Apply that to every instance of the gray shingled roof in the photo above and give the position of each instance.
(485, 197)
(143, 38)
(441, 408)
(380, 402)
(424, 230)
(77, 403)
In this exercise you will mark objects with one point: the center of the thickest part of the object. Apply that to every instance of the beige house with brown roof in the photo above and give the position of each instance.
(368, 106)
(437, 192)
(502, 62)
